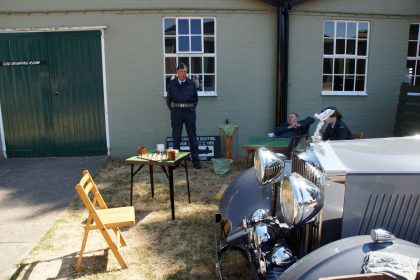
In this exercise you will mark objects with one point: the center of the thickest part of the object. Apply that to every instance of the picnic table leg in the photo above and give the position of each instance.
(131, 185)
(188, 181)
(151, 180)
(171, 189)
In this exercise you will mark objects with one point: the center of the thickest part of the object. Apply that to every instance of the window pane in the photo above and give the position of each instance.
(168, 80)
(417, 81)
(209, 83)
(209, 44)
(410, 67)
(186, 61)
(198, 80)
(170, 26)
(414, 32)
(196, 44)
(338, 83)
(341, 30)
(360, 83)
(183, 26)
(208, 24)
(329, 29)
(339, 66)
(328, 46)
(170, 65)
(170, 45)
(196, 65)
(184, 43)
(412, 46)
(340, 45)
(363, 30)
(417, 68)
(209, 65)
(349, 83)
(327, 83)
(362, 47)
(351, 30)
(349, 66)
(196, 26)
(351, 47)
(361, 66)
(328, 65)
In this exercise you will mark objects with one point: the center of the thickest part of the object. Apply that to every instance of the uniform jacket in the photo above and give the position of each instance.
(340, 131)
(284, 131)
(181, 94)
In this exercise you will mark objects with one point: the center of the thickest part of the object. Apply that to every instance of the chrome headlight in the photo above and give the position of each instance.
(281, 256)
(300, 199)
(259, 215)
(268, 165)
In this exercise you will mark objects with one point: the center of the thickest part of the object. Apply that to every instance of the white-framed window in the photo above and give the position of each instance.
(345, 57)
(192, 41)
(413, 55)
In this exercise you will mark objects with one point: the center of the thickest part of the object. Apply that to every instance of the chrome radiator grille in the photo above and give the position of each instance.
(306, 238)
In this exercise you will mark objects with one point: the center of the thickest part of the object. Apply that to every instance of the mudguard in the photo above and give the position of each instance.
(344, 257)
(244, 195)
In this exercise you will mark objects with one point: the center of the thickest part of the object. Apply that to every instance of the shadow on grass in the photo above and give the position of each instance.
(95, 264)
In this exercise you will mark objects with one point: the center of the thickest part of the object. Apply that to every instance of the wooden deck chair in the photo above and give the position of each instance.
(103, 218)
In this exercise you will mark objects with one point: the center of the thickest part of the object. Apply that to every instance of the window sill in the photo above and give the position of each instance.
(344, 93)
(201, 93)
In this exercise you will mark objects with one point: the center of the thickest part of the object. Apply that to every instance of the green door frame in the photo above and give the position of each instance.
(105, 92)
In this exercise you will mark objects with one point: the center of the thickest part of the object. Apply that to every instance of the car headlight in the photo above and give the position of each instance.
(259, 215)
(268, 165)
(300, 199)
(281, 256)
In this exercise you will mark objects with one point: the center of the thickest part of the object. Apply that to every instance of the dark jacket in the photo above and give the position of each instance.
(284, 131)
(340, 131)
(181, 94)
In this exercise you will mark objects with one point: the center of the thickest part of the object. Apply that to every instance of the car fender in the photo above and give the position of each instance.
(345, 256)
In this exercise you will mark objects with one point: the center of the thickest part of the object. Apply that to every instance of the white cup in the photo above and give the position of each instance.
(160, 148)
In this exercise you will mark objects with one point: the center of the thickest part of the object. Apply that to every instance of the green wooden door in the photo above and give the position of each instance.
(77, 93)
(51, 94)
(25, 94)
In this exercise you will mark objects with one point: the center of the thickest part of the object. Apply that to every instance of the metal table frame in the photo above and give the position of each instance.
(167, 167)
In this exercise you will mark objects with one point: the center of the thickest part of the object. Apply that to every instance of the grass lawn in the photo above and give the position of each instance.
(158, 248)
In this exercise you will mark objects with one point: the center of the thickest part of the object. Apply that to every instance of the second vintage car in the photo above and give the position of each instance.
(309, 217)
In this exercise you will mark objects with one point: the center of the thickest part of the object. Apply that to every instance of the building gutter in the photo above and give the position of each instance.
(282, 60)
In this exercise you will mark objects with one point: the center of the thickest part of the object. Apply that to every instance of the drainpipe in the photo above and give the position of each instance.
(282, 60)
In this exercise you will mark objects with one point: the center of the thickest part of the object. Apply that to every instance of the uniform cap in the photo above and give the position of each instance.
(181, 66)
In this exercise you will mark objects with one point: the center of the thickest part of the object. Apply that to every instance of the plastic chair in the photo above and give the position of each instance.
(103, 219)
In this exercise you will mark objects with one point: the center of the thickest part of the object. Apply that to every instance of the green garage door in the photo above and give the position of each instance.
(51, 94)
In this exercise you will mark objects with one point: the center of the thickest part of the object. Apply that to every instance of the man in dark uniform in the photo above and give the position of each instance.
(293, 127)
(182, 99)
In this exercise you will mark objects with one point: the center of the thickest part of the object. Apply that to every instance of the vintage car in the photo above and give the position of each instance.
(310, 216)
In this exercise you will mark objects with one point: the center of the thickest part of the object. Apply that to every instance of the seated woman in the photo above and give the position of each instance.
(293, 127)
(336, 129)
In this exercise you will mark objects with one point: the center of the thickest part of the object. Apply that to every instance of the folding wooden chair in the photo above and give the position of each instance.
(103, 218)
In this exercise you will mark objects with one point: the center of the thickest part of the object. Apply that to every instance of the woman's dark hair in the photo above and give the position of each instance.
(337, 114)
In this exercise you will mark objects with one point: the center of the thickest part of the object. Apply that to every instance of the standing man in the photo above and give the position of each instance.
(182, 99)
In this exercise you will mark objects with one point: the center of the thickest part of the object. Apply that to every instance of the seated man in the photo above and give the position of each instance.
(293, 127)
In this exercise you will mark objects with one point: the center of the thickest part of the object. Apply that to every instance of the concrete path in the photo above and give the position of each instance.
(33, 193)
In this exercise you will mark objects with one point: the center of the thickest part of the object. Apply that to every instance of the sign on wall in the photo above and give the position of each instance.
(208, 146)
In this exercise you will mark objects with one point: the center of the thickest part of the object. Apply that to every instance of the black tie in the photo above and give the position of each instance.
(182, 83)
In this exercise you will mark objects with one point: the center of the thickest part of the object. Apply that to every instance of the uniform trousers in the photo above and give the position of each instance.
(179, 116)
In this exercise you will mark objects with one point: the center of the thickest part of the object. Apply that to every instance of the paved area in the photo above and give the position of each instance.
(33, 193)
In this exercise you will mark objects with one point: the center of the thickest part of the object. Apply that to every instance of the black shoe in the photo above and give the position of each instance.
(197, 165)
